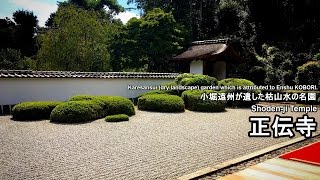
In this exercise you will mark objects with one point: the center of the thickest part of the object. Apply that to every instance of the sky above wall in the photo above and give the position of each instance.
(43, 8)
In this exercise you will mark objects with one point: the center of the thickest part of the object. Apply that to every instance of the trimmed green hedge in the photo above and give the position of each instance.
(196, 80)
(117, 105)
(82, 97)
(161, 103)
(117, 118)
(158, 92)
(170, 92)
(75, 112)
(236, 82)
(33, 110)
(110, 104)
(193, 101)
(182, 76)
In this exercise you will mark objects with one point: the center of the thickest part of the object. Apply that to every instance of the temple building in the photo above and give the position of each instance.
(210, 57)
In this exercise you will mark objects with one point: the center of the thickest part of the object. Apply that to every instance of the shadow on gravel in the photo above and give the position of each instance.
(37, 120)
(72, 123)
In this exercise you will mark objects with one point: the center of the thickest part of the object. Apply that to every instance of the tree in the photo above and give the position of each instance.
(278, 65)
(148, 42)
(10, 59)
(97, 5)
(49, 22)
(106, 9)
(7, 33)
(228, 16)
(26, 26)
(78, 43)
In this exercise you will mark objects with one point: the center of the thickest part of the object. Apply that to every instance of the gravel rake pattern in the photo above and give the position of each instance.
(149, 146)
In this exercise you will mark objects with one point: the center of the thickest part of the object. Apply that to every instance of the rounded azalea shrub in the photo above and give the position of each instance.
(117, 105)
(196, 80)
(182, 76)
(161, 103)
(117, 118)
(33, 110)
(75, 112)
(81, 97)
(110, 104)
(194, 102)
(158, 91)
(237, 82)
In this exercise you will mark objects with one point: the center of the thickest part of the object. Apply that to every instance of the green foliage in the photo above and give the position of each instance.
(161, 103)
(193, 101)
(79, 42)
(29, 63)
(117, 105)
(199, 80)
(228, 16)
(239, 85)
(33, 110)
(75, 112)
(182, 76)
(97, 5)
(7, 33)
(237, 82)
(117, 118)
(258, 75)
(110, 104)
(317, 56)
(188, 79)
(82, 97)
(278, 65)
(170, 92)
(10, 59)
(309, 73)
(26, 26)
(146, 36)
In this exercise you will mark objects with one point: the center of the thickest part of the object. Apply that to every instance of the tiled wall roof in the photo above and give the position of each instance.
(71, 74)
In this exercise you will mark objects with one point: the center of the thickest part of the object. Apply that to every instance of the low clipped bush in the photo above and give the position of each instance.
(110, 104)
(180, 77)
(81, 97)
(194, 102)
(161, 103)
(198, 80)
(158, 91)
(117, 118)
(75, 112)
(309, 73)
(117, 105)
(237, 82)
(33, 110)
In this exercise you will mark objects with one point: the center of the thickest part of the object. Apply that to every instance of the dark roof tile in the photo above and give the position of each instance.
(70, 74)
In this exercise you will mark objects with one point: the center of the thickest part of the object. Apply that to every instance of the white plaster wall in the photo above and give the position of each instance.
(196, 67)
(16, 90)
(219, 69)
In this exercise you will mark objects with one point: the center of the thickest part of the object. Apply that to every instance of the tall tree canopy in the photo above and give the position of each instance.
(106, 8)
(18, 39)
(26, 24)
(78, 43)
(146, 43)
(97, 5)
